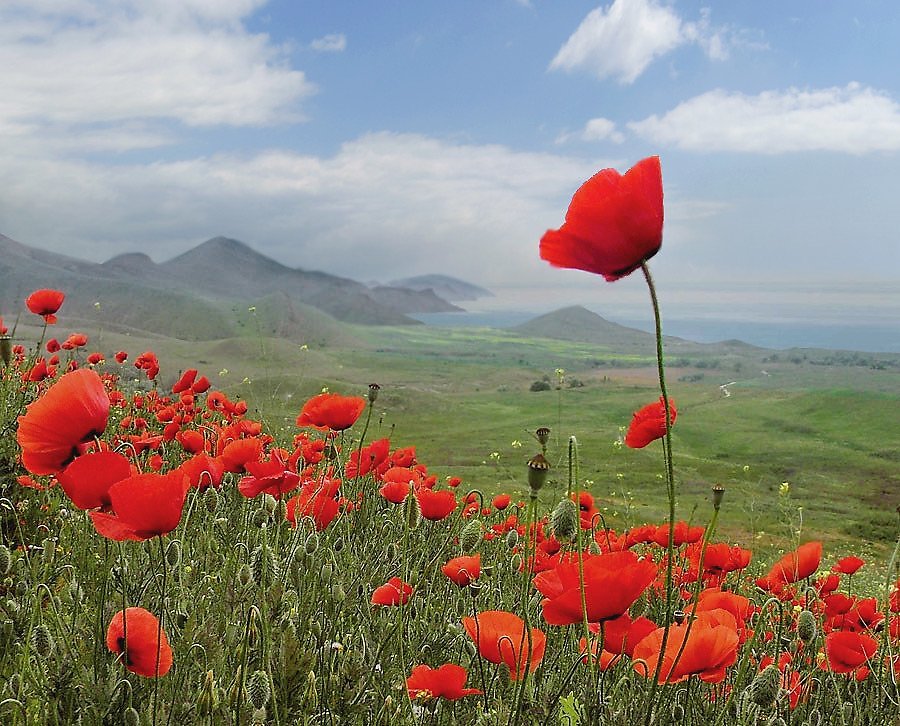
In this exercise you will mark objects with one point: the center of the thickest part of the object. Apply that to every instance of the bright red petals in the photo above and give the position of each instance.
(145, 506)
(425, 683)
(436, 505)
(72, 412)
(87, 480)
(393, 592)
(331, 411)
(501, 637)
(649, 424)
(135, 635)
(613, 224)
(463, 570)
(847, 651)
(45, 303)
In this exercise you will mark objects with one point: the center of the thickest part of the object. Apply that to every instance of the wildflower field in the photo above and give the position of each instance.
(166, 558)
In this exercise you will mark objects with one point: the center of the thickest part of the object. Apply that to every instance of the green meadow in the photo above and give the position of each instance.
(823, 422)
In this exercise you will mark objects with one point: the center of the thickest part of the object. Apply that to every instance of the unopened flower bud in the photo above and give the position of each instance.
(173, 553)
(806, 626)
(6, 349)
(412, 510)
(211, 500)
(245, 575)
(564, 520)
(42, 640)
(763, 690)
(512, 538)
(311, 544)
(259, 689)
(471, 535)
(5, 560)
(131, 717)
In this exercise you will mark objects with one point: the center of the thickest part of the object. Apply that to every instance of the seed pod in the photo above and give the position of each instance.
(538, 470)
(42, 640)
(763, 690)
(259, 689)
(471, 535)
(806, 626)
(564, 520)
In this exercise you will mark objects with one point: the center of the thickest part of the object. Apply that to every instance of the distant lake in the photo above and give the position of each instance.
(882, 337)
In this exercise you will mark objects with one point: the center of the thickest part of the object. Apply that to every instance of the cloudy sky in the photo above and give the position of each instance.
(405, 137)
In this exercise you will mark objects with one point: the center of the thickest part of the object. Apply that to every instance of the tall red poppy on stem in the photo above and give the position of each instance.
(425, 683)
(649, 424)
(69, 414)
(331, 411)
(145, 506)
(45, 303)
(613, 224)
(87, 479)
(501, 638)
(134, 633)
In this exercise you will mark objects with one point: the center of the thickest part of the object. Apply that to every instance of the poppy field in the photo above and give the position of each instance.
(169, 558)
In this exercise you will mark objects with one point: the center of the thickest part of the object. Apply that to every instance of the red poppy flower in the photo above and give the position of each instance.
(72, 411)
(45, 303)
(87, 480)
(395, 491)
(121, 356)
(711, 647)
(203, 471)
(367, 458)
(331, 411)
(649, 424)
(315, 500)
(235, 455)
(445, 682)
(393, 592)
(134, 633)
(501, 501)
(501, 638)
(613, 223)
(145, 506)
(612, 582)
(621, 635)
(463, 570)
(269, 477)
(848, 651)
(436, 505)
(796, 565)
(185, 382)
(848, 565)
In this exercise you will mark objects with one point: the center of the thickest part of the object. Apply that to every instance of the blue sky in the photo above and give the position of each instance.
(377, 140)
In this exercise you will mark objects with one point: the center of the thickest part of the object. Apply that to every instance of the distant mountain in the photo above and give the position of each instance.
(581, 325)
(184, 296)
(444, 286)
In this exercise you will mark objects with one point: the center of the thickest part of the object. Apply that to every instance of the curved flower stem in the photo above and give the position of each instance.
(670, 484)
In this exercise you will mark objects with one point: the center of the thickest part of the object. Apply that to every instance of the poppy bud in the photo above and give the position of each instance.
(512, 538)
(258, 717)
(237, 689)
(259, 517)
(5, 349)
(391, 551)
(538, 469)
(326, 572)
(311, 544)
(471, 535)
(211, 500)
(763, 690)
(5, 560)
(49, 548)
(245, 575)
(130, 717)
(15, 684)
(173, 553)
(412, 510)
(263, 564)
(311, 696)
(806, 626)
(42, 640)
(208, 699)
(564, 520)
(475, 588)
(316, 629)
(594, 548)
(338, 545)
(76, 593)
(515, 562)
(677, 713)
(259, 690)
(337, 592)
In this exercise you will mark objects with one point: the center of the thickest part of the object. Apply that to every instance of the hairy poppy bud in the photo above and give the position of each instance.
(173, 553)
(564, 520)
(211, 500)
(594, 548)
(259, 690)
(49, 548)
(130, 717)
(471, 535)
(42, 640)
(337, 592)
(311, 695)
(763, 690)
(391, 551)
(512, 538)
(5, 560)
(245, 575)
(311, 544)
(208, 699)
(806, 626)
(412, 510)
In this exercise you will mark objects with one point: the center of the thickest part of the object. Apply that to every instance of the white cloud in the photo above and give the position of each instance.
(70, 64)
(852, 119)
(622, 40)
(383, 204)
(332, 43)
(597, 129)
